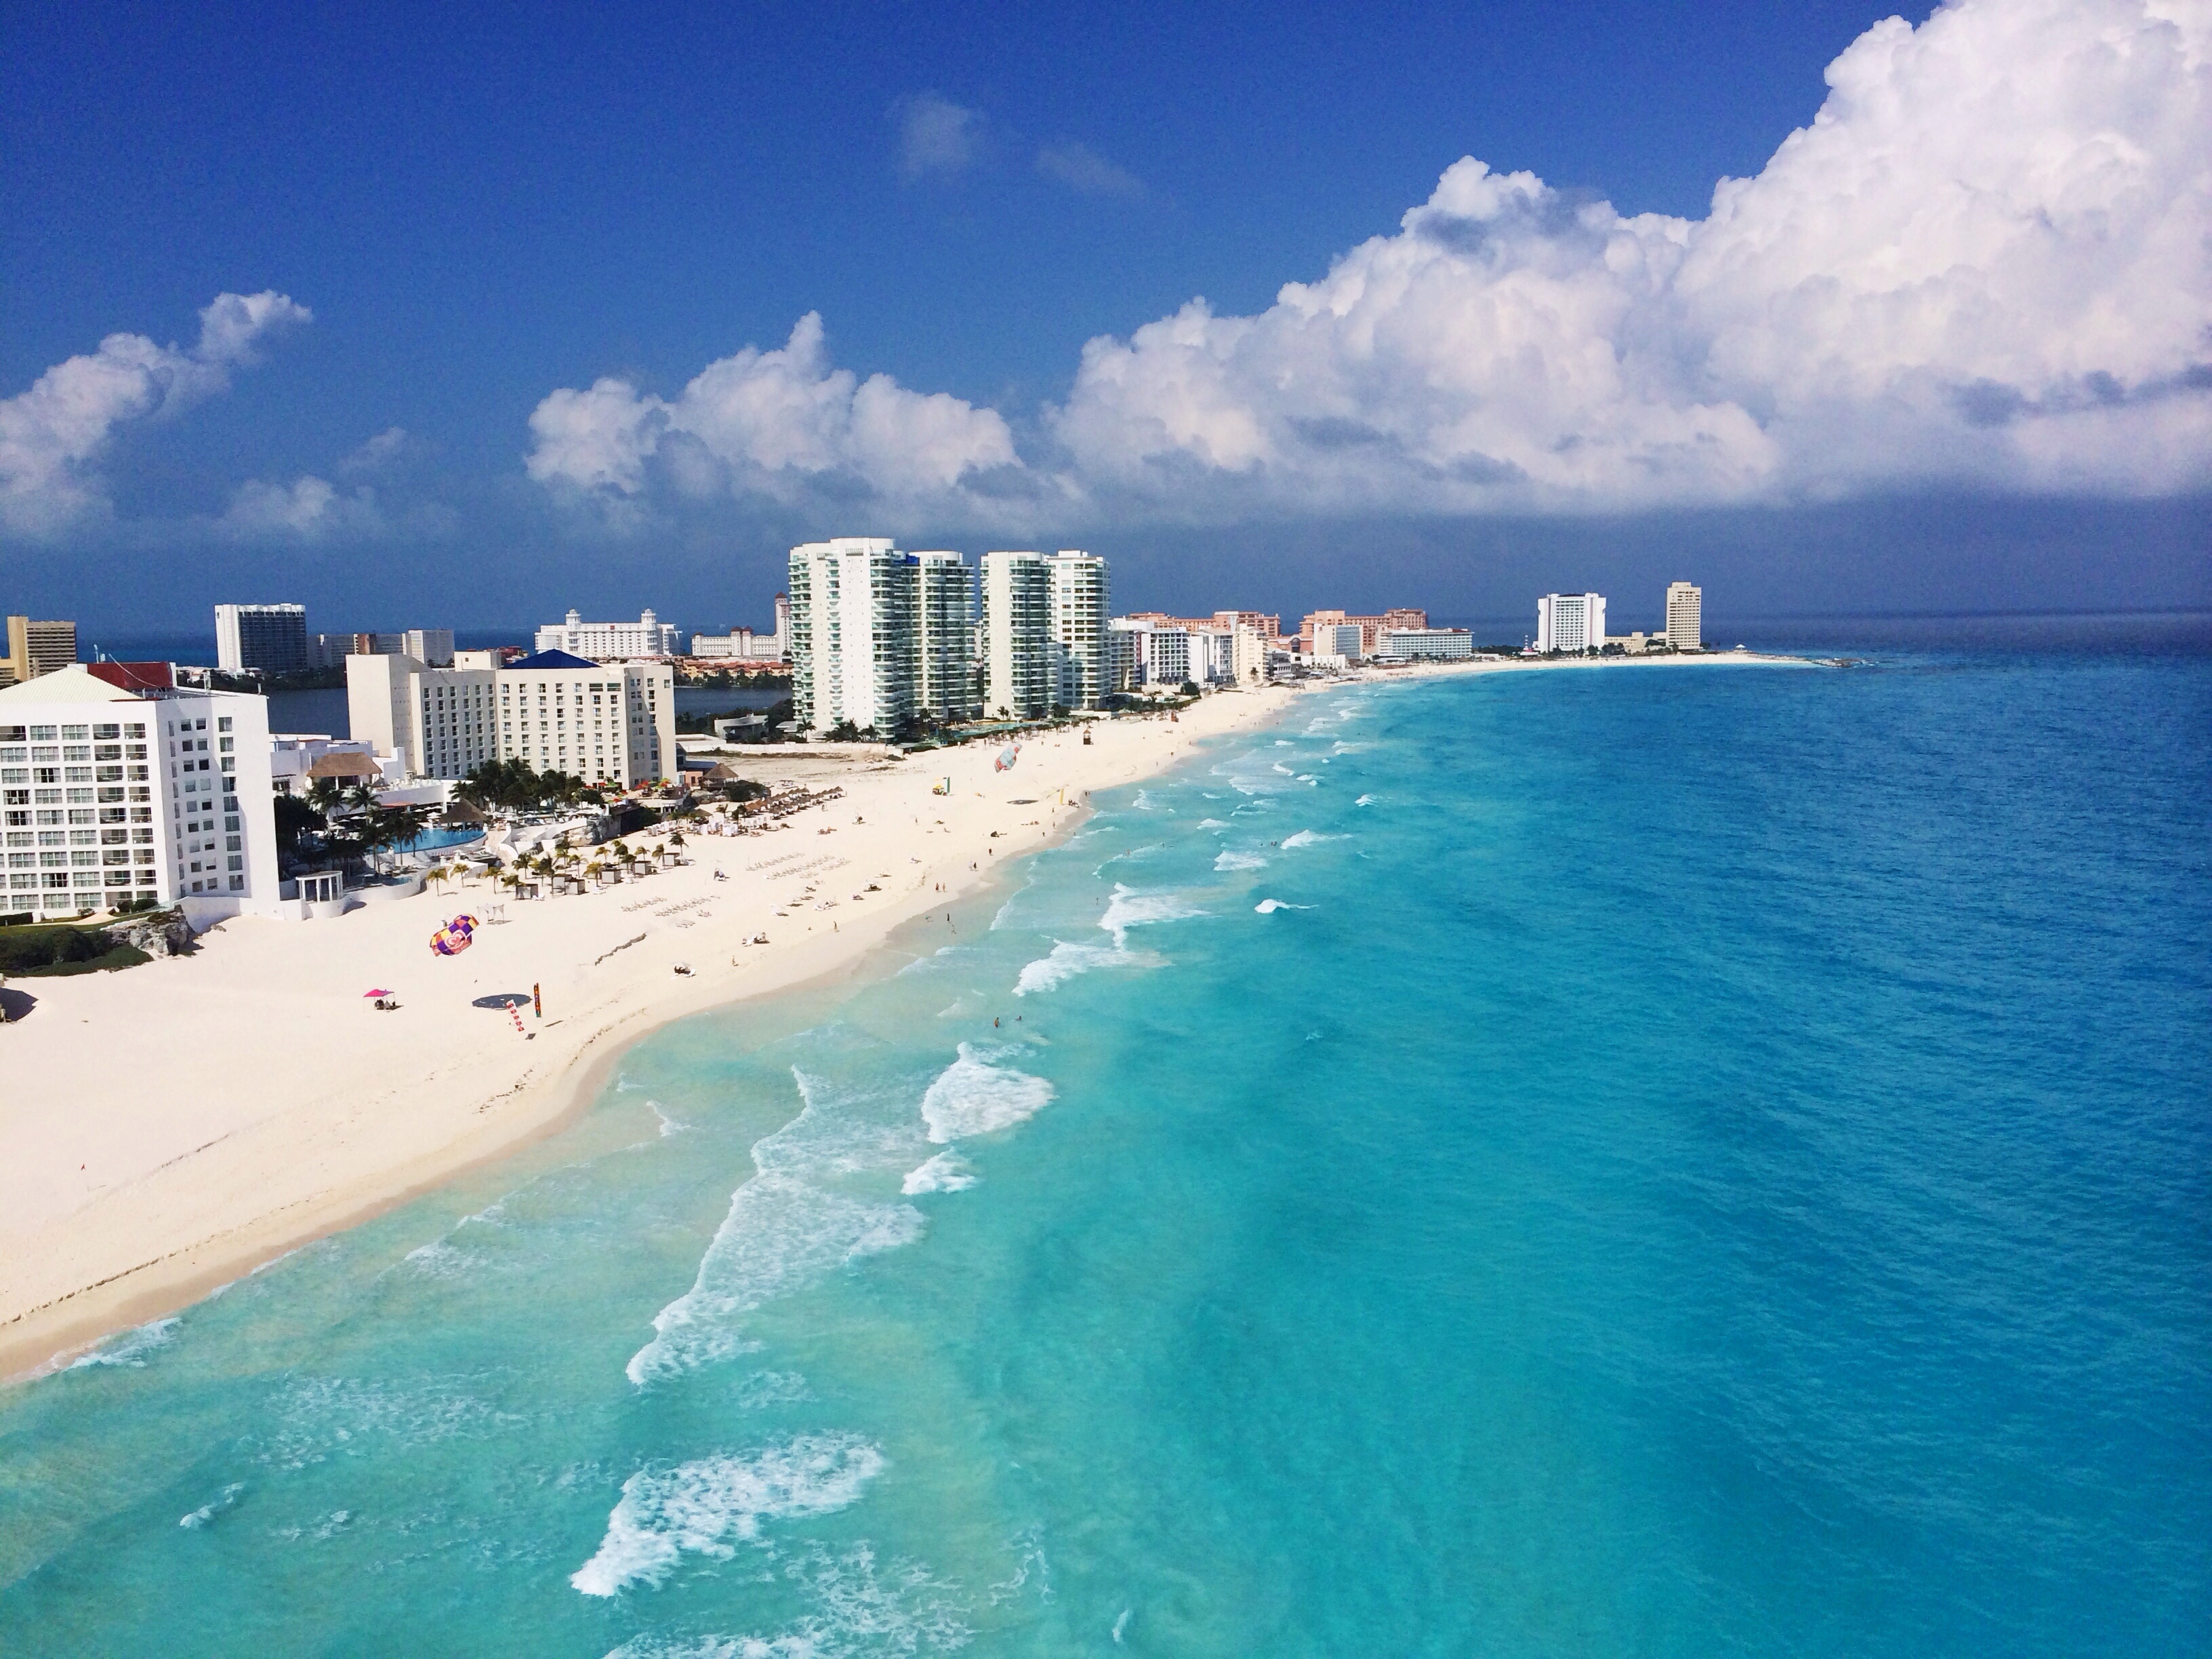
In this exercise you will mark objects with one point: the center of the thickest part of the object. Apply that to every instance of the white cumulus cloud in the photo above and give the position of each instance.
(781, 423)
(1988, 260)
(309, 509)
(52, 434)
(1986, 263)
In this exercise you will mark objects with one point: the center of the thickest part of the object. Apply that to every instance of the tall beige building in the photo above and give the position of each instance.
(35, 648)
(1684, 624)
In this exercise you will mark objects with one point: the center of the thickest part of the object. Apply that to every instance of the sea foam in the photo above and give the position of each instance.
(710, 1505)
(1233, 859)
(946, 1173)
(784, 1231)
(971, 1097)
(132, 1347)
(1308, 838)
(1127, 909)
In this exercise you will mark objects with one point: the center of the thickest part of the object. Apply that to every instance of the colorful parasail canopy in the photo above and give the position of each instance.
(454, 936)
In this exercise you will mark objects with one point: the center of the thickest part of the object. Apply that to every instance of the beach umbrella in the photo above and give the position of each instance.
(378, 991)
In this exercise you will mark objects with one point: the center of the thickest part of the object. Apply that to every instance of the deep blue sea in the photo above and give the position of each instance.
(1652, 1161)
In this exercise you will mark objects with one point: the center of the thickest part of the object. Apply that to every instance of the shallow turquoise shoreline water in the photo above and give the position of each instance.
(1668, 1162)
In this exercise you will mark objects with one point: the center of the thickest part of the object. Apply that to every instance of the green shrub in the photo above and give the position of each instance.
(32, 952)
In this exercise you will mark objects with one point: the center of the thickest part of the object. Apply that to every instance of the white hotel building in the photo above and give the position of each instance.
(602, 722)
(1571, 621)
(112, 793)
(611, 642)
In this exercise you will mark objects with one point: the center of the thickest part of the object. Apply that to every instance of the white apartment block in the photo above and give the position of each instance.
(1162, 656)
(853, 626)
(1571, 621)
(612, 723)
(1344, 640)
(945, 636)
(1685, 624)
(1019, 677)
(1424, 645)
(1080, 611)
(111, 796)
(1213, 655)
(611, 642)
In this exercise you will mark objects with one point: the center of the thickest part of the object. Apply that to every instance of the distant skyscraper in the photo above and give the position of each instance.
(267, 639)
(1079, 614)
(1018, 679)
(36, 648)
(1571, 621)
(1685, 624)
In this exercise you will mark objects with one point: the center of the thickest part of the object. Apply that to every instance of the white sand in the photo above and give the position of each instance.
(169, 1127)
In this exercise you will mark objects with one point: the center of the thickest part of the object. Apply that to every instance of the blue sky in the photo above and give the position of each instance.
(473, 215)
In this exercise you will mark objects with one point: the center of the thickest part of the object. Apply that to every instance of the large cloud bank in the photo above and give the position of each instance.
(1987, 263)
(53, 436)
(779, 423)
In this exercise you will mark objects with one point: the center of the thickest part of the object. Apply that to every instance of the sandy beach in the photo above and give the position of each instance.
(171, 1127)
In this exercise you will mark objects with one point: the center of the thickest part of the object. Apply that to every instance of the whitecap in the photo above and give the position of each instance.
(132, 1347)
(1232, 859)
(1211, 823)
(1143, 802)
(1268, 907)
(946, 1173)
(1068, 958)
(1130, 909)
(1127, 909)
(854, 1609)
(1308, 838)
(1364, 800)
(971, 1097)
(215, 1506)
(711, 1504)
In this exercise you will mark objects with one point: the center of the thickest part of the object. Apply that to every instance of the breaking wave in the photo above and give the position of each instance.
(1235, 860)
(971, 1097)
(946, 1173)
(131, 1348)
(783, 1232)
(711, 1504)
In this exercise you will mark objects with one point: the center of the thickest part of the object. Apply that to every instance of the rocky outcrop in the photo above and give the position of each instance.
(162, 933)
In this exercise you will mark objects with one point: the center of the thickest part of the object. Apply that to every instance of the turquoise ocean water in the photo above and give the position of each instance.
(1642, 1161)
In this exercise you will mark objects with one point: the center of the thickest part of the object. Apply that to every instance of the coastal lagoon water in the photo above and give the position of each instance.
(1640, 1162)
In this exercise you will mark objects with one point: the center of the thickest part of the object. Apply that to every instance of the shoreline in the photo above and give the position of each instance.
(444, 1088)
(202, 1196)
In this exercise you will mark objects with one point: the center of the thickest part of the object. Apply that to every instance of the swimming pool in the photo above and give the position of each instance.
(431, 841)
